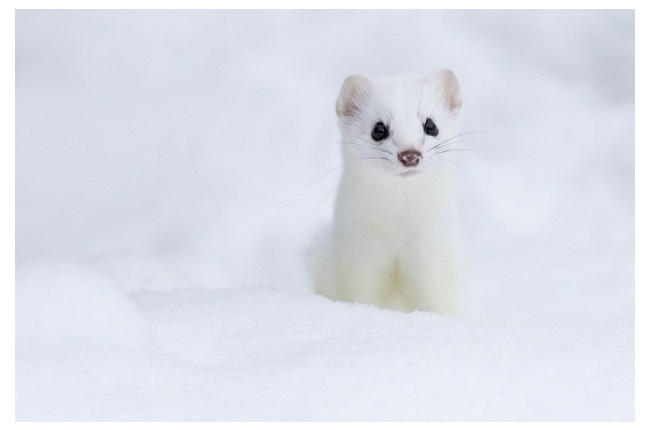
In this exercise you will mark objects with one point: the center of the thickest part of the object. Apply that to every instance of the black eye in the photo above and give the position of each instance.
(379, 132)
(430, 128)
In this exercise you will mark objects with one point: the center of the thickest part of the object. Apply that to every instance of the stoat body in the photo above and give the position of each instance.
(394, 238)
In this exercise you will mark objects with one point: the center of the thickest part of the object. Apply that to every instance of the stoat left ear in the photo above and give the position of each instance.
(450, 87)
(352, 95)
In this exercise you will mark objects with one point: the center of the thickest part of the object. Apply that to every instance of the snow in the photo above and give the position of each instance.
(171, 174)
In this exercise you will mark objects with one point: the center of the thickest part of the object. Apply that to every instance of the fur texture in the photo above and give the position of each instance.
(394, 239)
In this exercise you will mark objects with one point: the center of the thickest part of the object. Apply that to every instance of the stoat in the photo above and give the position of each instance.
(394, 238)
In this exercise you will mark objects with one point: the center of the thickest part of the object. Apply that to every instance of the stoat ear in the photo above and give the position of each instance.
(450, 87)
(352, 95)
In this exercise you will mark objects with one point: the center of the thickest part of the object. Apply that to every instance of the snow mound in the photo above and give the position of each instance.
(64, 301)
(252, 354)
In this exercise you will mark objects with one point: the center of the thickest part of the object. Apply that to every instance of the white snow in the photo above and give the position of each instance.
(170, 177)
(63, 302)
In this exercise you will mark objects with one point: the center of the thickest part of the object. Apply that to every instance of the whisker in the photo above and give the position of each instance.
(368, 146)
(454, 140)
(322, 176)
(343, 183)
(447, 144)
(365, 159)
(448, 161)
(374, 144)
(454, 150)
(458, 167)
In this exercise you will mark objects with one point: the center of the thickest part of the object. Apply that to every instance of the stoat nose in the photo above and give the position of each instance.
(410, 158)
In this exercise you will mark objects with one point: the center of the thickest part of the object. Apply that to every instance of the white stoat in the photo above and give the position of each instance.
(394, 239)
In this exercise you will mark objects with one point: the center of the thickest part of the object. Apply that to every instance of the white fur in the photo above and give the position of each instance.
(394, 239)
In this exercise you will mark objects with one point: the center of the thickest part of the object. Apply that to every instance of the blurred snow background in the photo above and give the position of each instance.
(165, 197)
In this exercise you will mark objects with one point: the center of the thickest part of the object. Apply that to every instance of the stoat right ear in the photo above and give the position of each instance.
(449, 84)
(352, 95)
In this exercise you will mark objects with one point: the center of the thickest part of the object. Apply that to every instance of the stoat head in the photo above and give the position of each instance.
(398, 126)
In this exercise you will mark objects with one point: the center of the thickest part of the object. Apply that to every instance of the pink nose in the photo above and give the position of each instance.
(410, 158)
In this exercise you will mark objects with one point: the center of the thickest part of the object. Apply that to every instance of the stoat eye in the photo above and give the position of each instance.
(430, 128)
(379, 132)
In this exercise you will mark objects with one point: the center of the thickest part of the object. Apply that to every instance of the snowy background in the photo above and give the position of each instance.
(170, 177)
